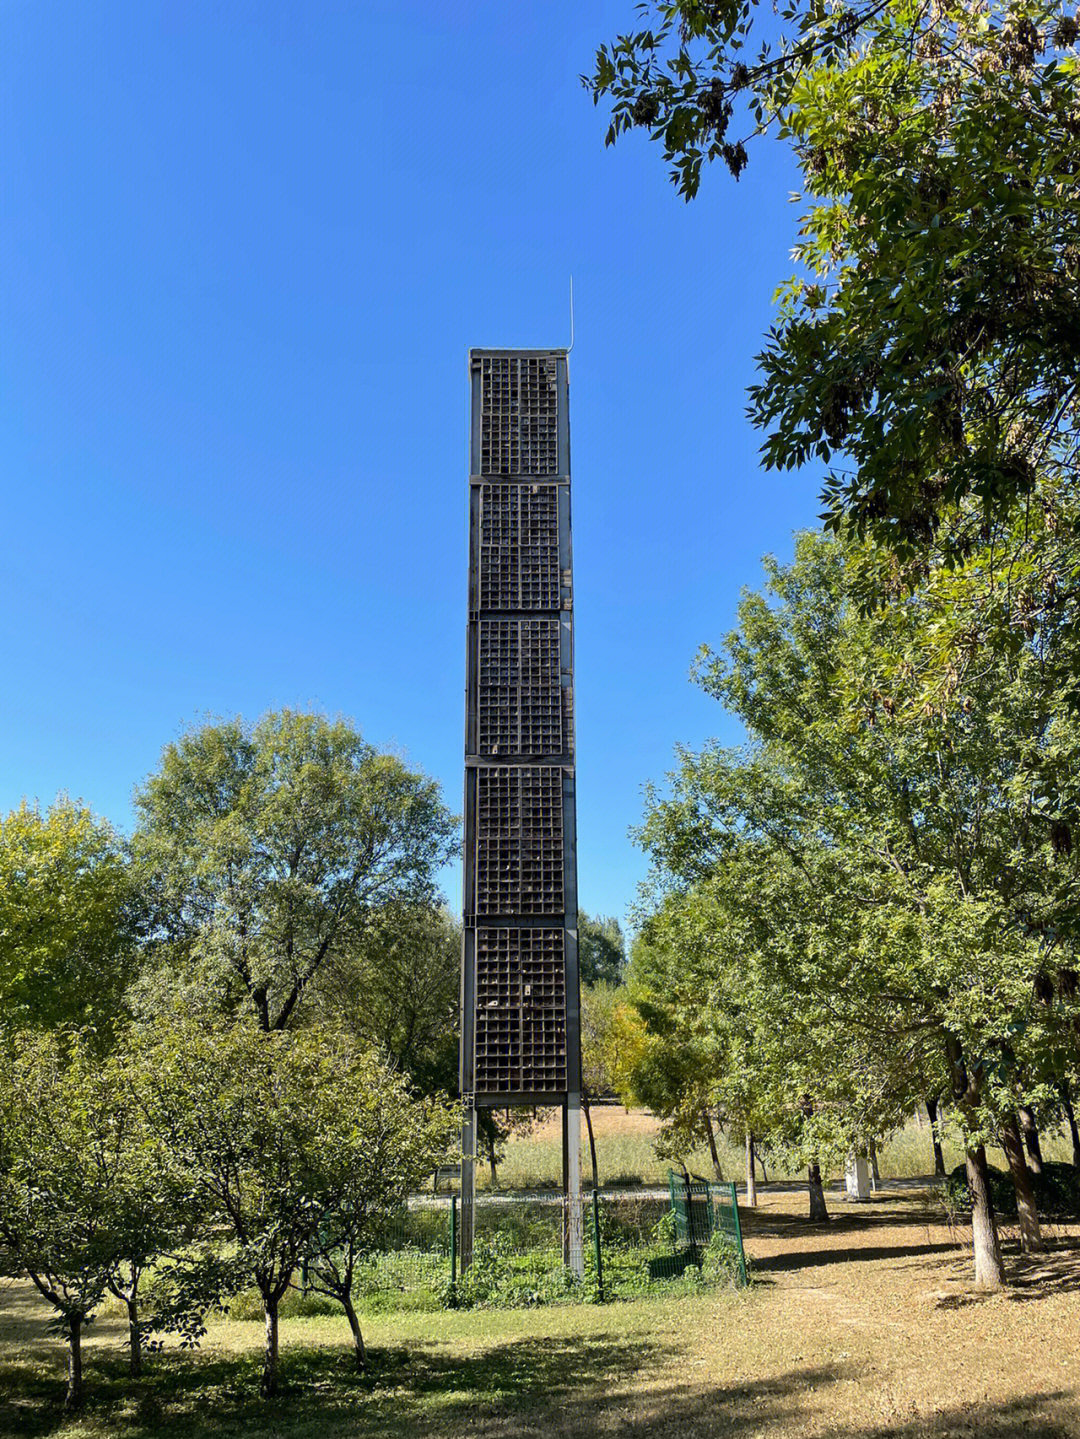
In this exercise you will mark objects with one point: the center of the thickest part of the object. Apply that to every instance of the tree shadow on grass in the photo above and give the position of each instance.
(783, 1406)
(566, 1387)
(843, 1219)
(404, 1392)
(573, 1387)
(856, 1254)
(1049, 1415)
(1035, 1276)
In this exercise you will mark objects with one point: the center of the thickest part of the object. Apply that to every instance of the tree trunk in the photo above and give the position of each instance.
(493, 1162)
(817, 1193)
(751, 1181)
(989, 1271)
(74, 1397)
(129, 1294)
(875, 1173)
(1031, 1240)
(134, 1336)
(935, 1135)
(712, 1146)
(592, 1142)
(757, 1156)
(1030, 1131)
(1070, 1116)
(268, 1386)
(354, 1324)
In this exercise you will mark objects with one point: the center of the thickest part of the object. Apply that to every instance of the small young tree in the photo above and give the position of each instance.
(606, 1045)
(379, 1145)
(83, 1207)
(281, 1135)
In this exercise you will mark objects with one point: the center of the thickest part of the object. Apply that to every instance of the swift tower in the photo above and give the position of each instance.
(520, 996)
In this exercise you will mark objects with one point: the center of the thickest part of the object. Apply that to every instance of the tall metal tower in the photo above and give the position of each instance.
(520, 996)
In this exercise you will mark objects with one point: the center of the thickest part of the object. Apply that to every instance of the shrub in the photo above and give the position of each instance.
(1057, 1191)
(248, 1304)
(502, 1277)
(720, 1260)
(957, 1196)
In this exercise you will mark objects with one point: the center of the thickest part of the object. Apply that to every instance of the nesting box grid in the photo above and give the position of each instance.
(520, 870)
(519, 841)
(520, 702)
(519, 425)
(520, 1010)
(519, 547)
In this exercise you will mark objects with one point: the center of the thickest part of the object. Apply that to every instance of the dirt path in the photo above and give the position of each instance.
(869, 1325)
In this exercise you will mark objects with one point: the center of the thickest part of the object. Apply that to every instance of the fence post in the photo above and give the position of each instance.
(453, 1243)
(596, 1241)
(738, 1235)
(690, 1235)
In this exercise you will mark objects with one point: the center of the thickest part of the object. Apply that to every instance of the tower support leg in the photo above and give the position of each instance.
(468, 1183)
(573, 1230)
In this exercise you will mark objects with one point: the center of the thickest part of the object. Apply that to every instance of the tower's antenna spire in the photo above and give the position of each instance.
(571, 344)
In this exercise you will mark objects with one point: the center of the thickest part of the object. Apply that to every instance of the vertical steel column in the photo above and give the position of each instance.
(467, 1052)
(573, 1228)
(467, 1229)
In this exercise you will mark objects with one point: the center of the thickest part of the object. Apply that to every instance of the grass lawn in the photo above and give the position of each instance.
(866, 1327)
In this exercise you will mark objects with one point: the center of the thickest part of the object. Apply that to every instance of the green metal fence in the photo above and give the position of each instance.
(704, 1213)
(634, 1245)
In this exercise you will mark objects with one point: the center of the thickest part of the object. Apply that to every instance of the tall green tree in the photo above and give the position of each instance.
(69, 919)
(880, 863)
(396, 986)
(273, 848)
(928, 349)
(601, 949)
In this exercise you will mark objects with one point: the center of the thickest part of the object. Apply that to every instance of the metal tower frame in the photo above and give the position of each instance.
(520, 993)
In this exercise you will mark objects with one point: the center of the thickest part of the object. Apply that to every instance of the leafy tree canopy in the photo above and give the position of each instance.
(928, 349)
(298, 1142)
(272, 847)
(877, 895)
(84, 1204)
(395, 986)
(601, 949)
(69, 919)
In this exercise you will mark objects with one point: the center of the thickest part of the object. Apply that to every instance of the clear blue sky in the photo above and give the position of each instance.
(245, 247)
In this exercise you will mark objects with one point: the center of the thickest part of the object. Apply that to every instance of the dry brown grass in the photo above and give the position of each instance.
(625, 1143)
(870, 1326)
